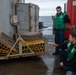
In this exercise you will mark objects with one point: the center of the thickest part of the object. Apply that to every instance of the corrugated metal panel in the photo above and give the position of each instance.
(71, 13)
(32, 17)
(69, 9)
(37, 19)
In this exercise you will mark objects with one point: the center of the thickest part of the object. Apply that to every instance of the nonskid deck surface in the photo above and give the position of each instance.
(38, 65)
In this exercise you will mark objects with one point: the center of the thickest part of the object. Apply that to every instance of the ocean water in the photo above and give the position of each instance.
(48, 25)
(47, 21)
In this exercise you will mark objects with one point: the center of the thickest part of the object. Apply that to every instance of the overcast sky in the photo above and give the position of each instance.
(48, 7)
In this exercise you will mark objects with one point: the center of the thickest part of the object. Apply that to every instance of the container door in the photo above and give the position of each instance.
(23, 16)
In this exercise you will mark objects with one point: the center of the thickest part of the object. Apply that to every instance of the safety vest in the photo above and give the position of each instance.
(58, 21)
(72, 51)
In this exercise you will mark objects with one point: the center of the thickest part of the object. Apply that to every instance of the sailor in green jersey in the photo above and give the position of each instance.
(60, 21)
(67, 54)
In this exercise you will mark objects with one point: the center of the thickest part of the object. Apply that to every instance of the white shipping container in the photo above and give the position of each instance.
(27, 16)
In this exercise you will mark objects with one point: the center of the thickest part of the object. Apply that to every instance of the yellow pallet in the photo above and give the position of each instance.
(37, 46)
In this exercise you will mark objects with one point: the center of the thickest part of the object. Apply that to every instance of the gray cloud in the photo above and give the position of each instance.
(48, 7)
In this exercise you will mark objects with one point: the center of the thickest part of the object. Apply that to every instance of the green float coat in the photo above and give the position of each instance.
(58, 21)
(72, 51)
